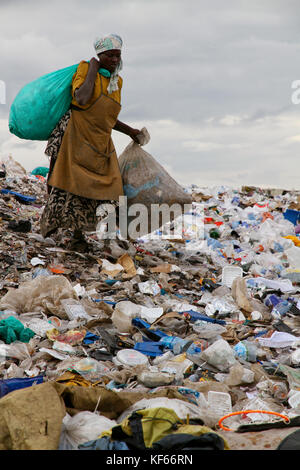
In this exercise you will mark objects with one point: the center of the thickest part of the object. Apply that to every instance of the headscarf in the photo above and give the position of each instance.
(107, 43)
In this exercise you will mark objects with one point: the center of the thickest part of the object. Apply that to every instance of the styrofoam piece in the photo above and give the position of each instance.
(229, 273)
(220, 402)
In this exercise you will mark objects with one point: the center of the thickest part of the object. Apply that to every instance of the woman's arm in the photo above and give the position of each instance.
(125, 129)
(84, 93)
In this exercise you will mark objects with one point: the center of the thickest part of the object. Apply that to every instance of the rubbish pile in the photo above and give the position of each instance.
(200, 332)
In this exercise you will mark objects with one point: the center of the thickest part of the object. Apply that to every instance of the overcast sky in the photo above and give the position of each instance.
(210, 80)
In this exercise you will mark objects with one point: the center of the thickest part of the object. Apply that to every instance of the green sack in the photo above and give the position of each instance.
(11, 330)
(40, 104)
(40, 171)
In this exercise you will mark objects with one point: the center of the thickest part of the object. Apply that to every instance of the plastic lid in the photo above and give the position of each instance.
(131, 357)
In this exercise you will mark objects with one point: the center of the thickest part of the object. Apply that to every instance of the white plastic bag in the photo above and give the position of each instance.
(83, 427)
(219, 355)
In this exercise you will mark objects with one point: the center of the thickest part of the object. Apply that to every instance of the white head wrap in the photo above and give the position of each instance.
(107, 43)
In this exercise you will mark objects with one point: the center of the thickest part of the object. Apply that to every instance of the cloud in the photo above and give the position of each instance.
(212, 81)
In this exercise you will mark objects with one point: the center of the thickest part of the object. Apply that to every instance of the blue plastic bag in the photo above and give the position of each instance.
(40, 104)
(9, 385)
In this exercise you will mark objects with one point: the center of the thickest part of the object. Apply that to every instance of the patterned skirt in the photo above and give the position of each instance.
(64, 210)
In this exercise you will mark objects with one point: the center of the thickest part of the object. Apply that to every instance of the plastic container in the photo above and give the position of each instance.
(219, 402)
(74, 310)
(279, 391)
(130, 357)
(55, 321)
(229, 273)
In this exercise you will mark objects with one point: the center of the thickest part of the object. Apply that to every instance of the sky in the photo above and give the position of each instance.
(216, 83)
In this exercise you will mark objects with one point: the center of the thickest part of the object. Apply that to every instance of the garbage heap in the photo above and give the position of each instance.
(202, 331)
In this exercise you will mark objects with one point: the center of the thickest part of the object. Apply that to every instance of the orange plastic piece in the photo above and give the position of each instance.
(57, 269)
(286, 418)
(267, 215)
(40, 177)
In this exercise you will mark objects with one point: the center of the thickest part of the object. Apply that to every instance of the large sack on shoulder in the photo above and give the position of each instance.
(40, 104)
(147, 183)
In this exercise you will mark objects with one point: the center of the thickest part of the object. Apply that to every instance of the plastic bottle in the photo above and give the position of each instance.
(174, 343)
(246, 350)
(281, 309)
(179, 345)
(272, 300)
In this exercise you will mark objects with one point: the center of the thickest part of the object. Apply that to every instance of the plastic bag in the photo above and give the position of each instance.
(40, 104)
(219, 355)
(11, 329)
(9, 385)
(13, 168)
(91, 369)
(147, 183)
(83, 427)
(40, 294)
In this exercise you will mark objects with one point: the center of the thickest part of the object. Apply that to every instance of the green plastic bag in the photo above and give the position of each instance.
(11, 330)
(40, 104)
(40, 171)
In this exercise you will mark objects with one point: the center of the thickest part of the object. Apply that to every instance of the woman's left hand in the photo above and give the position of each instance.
(133, 134)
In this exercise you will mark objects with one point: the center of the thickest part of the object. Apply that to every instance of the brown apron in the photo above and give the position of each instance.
(87, 164)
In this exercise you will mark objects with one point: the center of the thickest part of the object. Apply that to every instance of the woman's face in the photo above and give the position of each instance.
(109, 60)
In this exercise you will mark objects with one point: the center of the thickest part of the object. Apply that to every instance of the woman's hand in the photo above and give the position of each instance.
(94, 64)
(133, 134)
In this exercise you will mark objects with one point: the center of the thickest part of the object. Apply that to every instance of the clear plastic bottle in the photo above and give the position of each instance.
(246, 350)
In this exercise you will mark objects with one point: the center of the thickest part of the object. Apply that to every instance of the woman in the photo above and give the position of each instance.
(84, 170)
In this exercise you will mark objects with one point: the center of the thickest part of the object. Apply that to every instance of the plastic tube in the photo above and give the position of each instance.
(286, 418)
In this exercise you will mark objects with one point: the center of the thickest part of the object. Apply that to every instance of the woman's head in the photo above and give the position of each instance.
(110, 60)
(108, 49)
(108, 42)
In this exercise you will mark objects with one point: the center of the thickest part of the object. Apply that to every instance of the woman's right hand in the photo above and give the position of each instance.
(95, 64)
